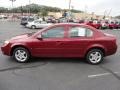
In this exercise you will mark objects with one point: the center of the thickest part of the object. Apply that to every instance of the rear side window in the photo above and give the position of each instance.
(80, 32)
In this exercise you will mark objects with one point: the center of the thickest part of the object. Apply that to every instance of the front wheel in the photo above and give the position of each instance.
(21, 55)
(95, 56)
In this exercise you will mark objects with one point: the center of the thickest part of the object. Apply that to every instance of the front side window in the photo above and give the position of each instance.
(43, 22)
(80, 32)
(57, 32)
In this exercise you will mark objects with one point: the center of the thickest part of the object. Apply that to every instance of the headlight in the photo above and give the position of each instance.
(6, 42)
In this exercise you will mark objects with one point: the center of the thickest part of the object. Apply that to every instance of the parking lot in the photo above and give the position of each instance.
(55, 73)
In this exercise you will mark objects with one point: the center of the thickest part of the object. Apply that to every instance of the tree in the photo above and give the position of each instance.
(118, 17)
(34, 8)
(3, 10)
(44, 13)
(12, 6)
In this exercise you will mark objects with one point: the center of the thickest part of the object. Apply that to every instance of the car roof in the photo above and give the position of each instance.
(73, 24)
(67, 24)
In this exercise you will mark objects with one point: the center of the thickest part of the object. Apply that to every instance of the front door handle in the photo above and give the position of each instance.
(59, 42)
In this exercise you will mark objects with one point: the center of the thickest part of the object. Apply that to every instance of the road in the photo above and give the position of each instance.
(56, 74)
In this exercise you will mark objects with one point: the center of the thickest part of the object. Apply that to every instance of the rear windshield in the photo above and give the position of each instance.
(24, 19)
(31, 19)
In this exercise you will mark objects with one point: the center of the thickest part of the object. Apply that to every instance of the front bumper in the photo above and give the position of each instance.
(6, 49)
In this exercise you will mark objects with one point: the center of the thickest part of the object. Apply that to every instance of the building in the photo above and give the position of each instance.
(80, 15)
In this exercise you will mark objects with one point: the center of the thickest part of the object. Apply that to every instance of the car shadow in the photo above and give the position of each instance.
(39, 62)
(57, 60)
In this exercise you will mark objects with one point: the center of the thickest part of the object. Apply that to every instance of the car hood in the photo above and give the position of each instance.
(21, 37)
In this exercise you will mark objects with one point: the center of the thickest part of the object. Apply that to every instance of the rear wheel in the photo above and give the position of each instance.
(21, 55)
(95, 56)
(33, 27)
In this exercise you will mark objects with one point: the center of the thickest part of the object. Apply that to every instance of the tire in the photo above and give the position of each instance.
(21, 55)
(33, 27)
(95, 56)
(100, 28)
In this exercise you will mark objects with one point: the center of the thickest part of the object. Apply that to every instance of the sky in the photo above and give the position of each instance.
(100, 7)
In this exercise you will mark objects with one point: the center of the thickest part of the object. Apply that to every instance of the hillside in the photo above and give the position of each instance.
(33, 8)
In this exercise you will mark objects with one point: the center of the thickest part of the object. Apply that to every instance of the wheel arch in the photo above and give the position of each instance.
(16, 46)
(33, 26)
(96, 47)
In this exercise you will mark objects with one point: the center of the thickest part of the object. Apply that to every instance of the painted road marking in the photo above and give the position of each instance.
(101, 74)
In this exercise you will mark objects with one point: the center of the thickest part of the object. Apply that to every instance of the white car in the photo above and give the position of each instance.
(37, 24)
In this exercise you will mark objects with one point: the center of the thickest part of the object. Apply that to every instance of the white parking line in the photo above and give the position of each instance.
(98, 75)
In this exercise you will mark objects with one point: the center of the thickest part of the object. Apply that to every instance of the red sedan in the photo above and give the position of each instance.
(95, 24)
(62, 40)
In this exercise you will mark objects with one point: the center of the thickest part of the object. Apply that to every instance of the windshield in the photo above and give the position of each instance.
(30, 34)
(24, 19)
(31, 19)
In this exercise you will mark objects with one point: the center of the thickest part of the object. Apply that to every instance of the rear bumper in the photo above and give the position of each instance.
(111, 51)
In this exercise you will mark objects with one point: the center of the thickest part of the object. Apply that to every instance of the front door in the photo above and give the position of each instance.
(51, 43)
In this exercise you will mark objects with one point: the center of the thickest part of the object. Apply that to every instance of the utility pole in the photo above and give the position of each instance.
(69, 11)
(29, 8)
(69, 5)
(109, 12)
(104, 14)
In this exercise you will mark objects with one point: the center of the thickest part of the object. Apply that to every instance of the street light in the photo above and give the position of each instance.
(12, 5)
(12, 2)
(29, 1)
(69, 12)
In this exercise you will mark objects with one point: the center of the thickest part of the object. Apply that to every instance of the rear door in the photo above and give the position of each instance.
(78, 39)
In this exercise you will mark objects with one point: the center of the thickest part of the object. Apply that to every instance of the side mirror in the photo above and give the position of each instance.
(39, 37)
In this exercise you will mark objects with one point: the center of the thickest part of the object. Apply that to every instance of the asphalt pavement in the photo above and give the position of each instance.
(56, 74)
